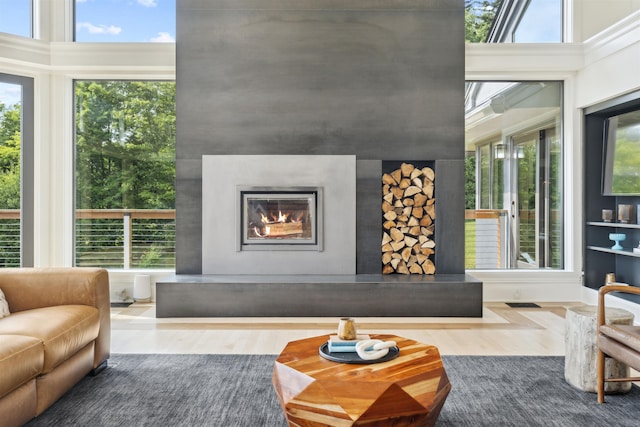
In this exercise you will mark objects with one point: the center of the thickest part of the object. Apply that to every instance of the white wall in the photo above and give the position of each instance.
(612, 61)
(597, 15)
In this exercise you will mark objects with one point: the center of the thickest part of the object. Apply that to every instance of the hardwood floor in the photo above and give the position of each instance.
(501, 331)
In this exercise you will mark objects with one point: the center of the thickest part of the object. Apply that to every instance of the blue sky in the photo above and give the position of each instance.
(125, 20)
(97, 21)
(10, 94)
(103, 20)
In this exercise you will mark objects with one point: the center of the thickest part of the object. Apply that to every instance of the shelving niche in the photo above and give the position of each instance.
(599, 258)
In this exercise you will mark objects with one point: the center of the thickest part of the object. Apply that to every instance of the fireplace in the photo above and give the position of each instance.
(280, 218)
(246, 197)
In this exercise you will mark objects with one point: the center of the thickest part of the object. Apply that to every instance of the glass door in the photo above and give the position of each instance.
(535, 215)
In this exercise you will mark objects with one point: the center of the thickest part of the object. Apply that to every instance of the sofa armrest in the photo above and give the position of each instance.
(29, 288)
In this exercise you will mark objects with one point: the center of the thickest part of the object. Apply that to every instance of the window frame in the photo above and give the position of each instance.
(27, 169)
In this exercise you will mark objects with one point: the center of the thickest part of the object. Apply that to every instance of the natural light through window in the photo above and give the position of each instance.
(125, 21)
(10, 138)
(15, 17)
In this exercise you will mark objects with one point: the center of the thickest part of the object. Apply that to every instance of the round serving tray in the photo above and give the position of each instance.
(353, 357)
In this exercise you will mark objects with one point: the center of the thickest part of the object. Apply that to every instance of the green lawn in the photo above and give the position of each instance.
(470, 244)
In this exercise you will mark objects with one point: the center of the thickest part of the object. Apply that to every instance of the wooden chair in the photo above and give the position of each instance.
(620, 342)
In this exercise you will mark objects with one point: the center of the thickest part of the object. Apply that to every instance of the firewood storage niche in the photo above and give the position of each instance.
(280, 218)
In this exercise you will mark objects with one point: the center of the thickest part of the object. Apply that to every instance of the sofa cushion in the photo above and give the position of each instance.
(4, 305)
(63, 329)
(21, 359)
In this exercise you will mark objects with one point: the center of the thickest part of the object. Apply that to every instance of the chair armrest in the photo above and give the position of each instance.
(29, 288)
(604, 290)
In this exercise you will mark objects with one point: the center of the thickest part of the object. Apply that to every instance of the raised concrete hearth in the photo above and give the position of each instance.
(444, 295)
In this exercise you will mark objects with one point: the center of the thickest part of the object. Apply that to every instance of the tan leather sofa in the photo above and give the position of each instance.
(59, 330)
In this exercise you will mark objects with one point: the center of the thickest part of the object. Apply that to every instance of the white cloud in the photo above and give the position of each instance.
(163, 38)
(10, 94)
(148, 3)
(99, 29)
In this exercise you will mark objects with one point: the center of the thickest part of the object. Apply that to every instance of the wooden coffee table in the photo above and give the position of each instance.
(409, 390)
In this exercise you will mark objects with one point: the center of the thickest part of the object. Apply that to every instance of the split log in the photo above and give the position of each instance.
(415, 173)
(396, 235)
(416, 269)
(389, 180)
(396, 175)
(385, 238)
(429, 267)
(406, 169)
(402, 268)
(410, 241)
(426, 221)
(391, 215)
(418, 199)
(427, 188)
(427, 251)
(429, 173)
(397, 245)
(429, 244)
(404, 183)
(387, 269)
(386, 258)
(431, 211)
(397, 192)
(412, 190)
(406, 254)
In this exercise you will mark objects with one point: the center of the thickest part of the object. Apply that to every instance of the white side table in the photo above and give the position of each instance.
(581, 350)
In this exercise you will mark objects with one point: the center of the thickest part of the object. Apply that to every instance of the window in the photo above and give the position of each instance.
(15, 17)
(16, 171)
(513, 132)
(513, 21)
(125, 20)
(125, 174)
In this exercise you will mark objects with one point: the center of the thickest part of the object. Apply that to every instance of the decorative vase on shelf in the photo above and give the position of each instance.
(617, 237)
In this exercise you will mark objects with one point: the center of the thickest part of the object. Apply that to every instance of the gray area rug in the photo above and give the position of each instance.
(236, 390)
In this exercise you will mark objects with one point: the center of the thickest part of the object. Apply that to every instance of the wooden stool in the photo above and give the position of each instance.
(581, 350)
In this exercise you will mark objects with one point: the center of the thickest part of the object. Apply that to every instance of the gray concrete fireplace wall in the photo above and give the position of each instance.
(379, 79)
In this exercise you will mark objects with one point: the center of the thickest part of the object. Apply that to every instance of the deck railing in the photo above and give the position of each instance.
(145, 238)
(110, 238)
(485, 234)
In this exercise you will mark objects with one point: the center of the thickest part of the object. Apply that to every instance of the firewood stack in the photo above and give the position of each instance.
(409, 211)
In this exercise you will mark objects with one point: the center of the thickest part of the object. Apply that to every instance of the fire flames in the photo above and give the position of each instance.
(278, 225)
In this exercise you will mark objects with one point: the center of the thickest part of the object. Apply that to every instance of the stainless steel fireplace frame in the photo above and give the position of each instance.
(242, 192)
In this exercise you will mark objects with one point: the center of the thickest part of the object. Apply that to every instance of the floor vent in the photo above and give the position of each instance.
(121, 304)
(523, 305)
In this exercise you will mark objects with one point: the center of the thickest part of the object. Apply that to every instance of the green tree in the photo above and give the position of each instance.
(478, 18)
(125, 144)
(470, 182)
(10, 157)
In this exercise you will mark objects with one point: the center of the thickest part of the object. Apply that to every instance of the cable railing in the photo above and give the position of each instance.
(109, 238)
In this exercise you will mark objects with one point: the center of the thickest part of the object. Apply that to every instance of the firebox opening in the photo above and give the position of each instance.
(280, 218)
